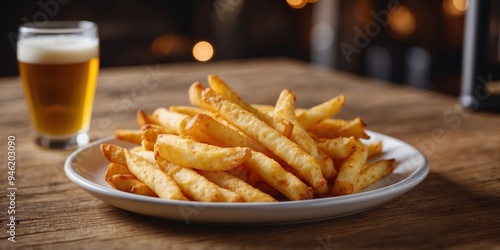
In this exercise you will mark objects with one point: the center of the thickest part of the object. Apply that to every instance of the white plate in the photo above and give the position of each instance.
(86, 167)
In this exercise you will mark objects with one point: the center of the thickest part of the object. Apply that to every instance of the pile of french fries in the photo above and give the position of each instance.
(223, 149)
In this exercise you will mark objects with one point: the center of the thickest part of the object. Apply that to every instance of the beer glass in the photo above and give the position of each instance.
(58, 64)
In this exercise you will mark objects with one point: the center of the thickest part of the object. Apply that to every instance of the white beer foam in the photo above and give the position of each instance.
(57, 49)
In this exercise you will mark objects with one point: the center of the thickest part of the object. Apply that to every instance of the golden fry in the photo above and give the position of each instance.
(129, 135)
(231, 138)
(349, 172)
(147, 145)
(333, 128)
(221, 88)
(143, 118)
(130, 184)
(187, 110)
(278, 178)
(147, 155)
(119, 177)
(191, 183)
(190, 153)
(113, 153)
(354, 128)
(266, 168)
(160, 182)
(151, 131)
(228, 181)
(223, 149)
(173, 123)
(266, 109)
(280, 145)
(320, 112)
(136, 149)
(115, 168)
(229, 135)
(194, 93)
(338, 148)
(285, 107)
(374, 148)
(230, 196)
(373, 172)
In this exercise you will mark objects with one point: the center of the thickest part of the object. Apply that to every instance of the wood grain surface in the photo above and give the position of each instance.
(456, 206)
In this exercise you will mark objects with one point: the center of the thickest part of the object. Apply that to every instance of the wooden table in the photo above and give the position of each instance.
(457, 205)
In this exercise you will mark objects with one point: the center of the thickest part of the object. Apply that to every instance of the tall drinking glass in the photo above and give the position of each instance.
(58, 64)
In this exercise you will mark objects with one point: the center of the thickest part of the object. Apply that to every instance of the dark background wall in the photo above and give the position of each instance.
(420, 43)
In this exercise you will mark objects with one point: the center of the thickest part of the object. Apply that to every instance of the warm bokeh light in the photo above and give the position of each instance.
(297, 4)
(460, 5)
(170, 45)
(455, 7)
(402, 22)
(203, 51)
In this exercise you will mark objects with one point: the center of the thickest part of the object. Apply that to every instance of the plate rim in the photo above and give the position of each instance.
(402, 186)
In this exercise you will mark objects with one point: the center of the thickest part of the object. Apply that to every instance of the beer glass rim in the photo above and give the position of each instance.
(57, 27)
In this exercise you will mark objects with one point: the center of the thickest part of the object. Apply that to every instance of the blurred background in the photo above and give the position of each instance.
(415, 42)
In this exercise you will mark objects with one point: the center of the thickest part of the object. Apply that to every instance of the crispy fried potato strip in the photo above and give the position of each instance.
(230, 182)
(373, 172)
(350, 170)
(320, 112)
(130, 135)
(223, 149)
(333, 128)
(220, 87)
(190, 153)
(191, 183)
(280, 145)
(119, 177)
(268, 169)
(337, 148)
(157, 180)
(285, 107)
(129, 183)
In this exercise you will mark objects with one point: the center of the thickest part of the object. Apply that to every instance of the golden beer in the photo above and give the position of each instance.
(59, 75)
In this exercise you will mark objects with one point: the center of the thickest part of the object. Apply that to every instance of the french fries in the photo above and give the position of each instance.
(287, 150)
(230, 182)
(374, 171)
(160, 182)
(261, 161)
(220, 87)
(192, 184)
(334, 128)
(285, 108)
(308, 118)
(223, 149)
(129, 183)
(350, 170)
(129, 135)
(190, 153)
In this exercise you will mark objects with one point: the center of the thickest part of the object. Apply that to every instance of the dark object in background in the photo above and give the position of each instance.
(420, 46)
(416, 43)
(481, 58)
